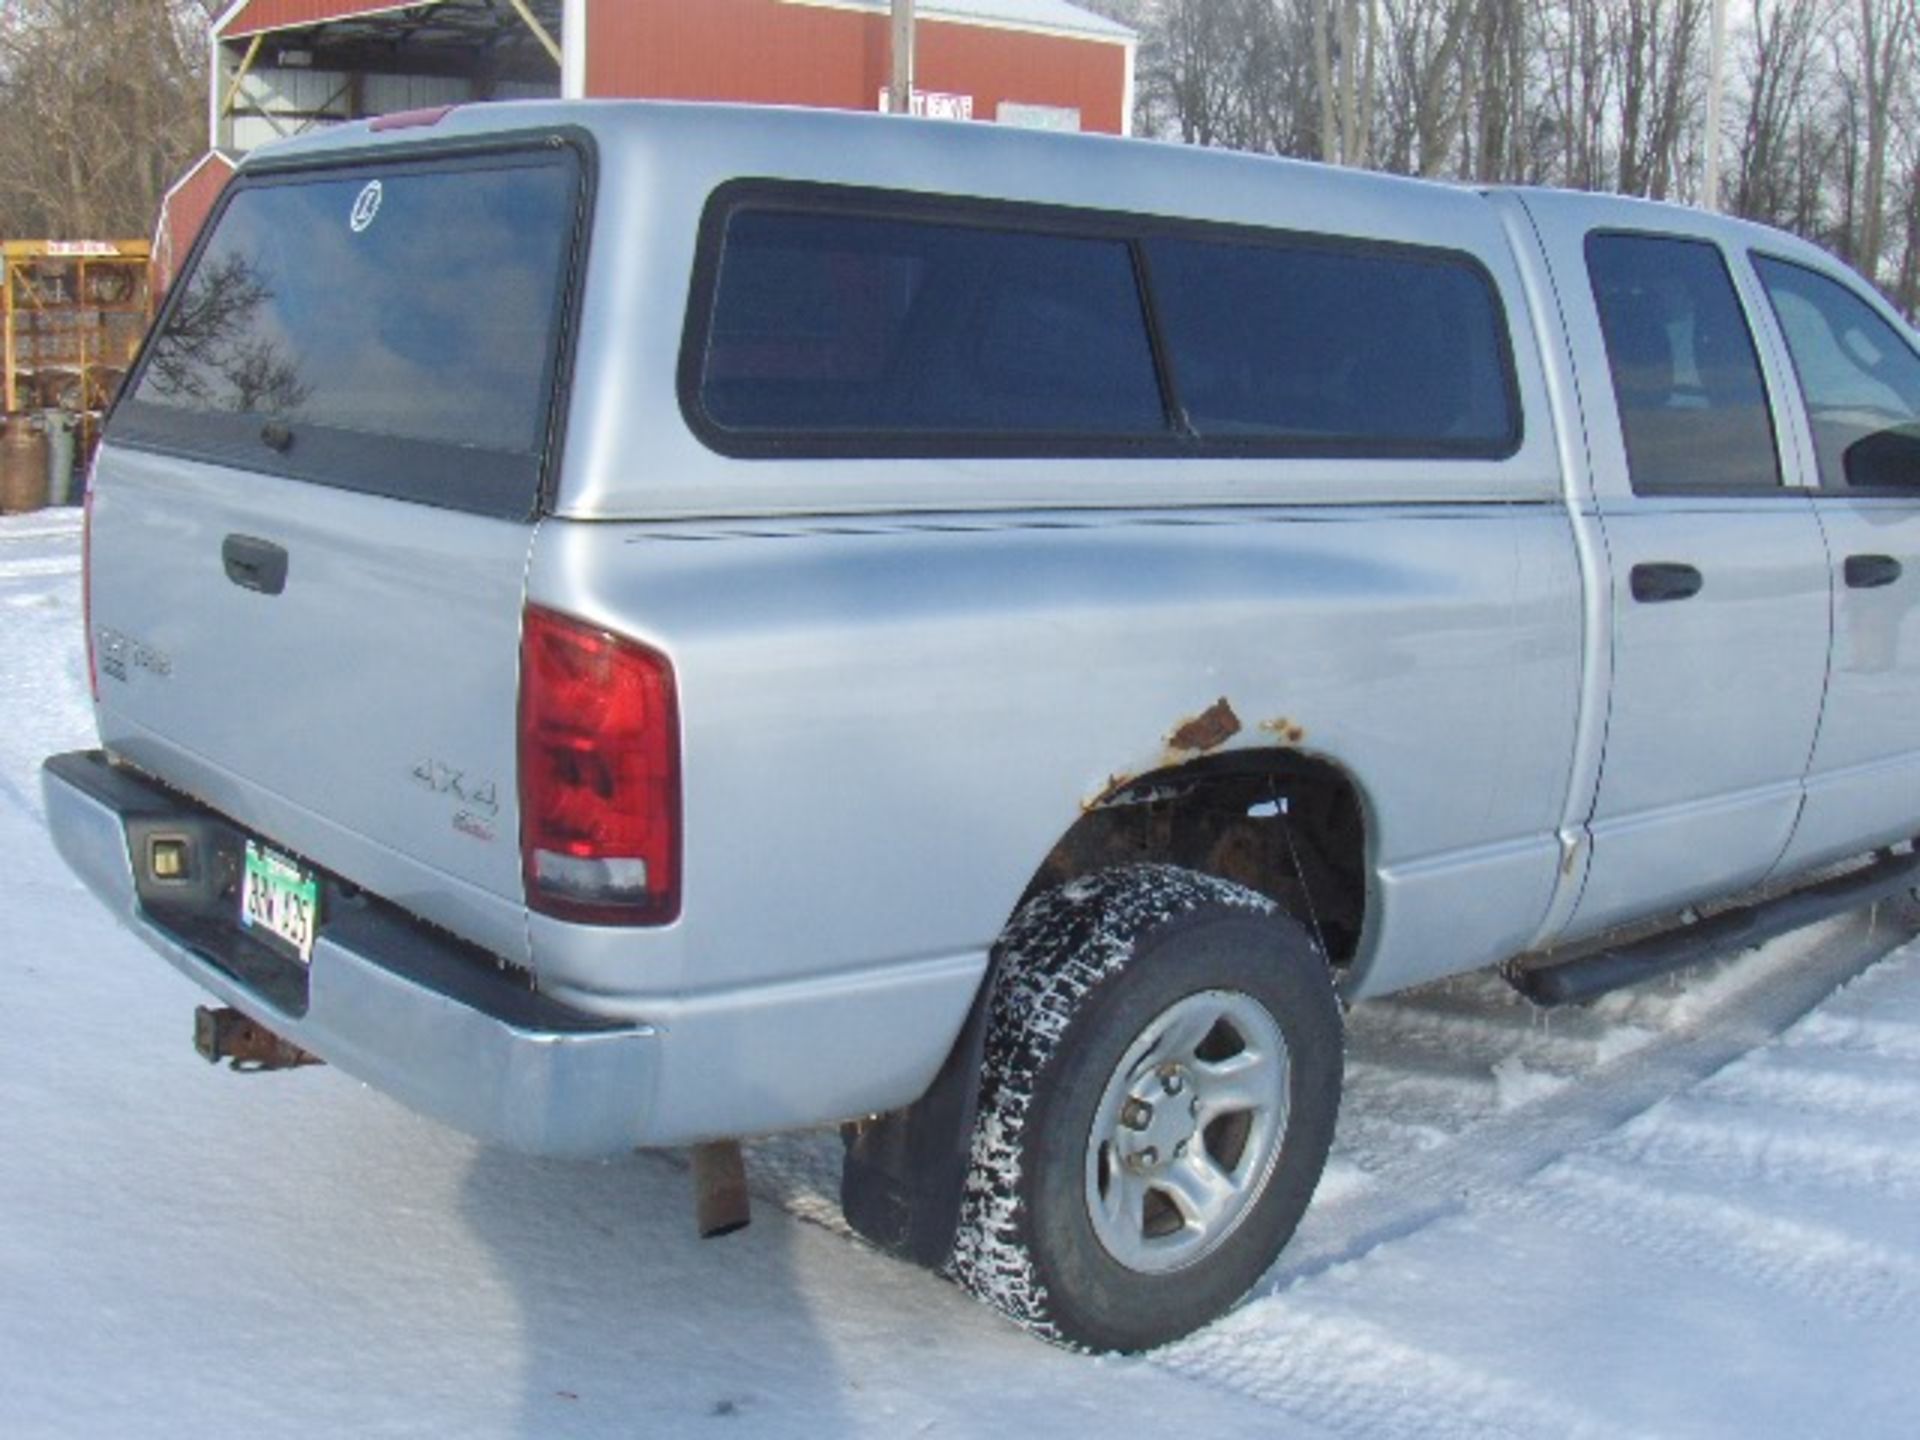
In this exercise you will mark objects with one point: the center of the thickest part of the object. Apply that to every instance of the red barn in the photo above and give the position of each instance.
(285, 66)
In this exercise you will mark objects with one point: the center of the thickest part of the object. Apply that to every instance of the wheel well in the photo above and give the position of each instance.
(1283, 823)
(1276, 821)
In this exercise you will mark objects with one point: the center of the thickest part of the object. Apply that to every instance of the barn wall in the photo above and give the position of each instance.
(181, 217)
(735, 50)
(773, 52)
(997, 65)
(764, 50)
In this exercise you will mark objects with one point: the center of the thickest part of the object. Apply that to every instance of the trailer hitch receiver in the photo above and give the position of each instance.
(245, 1044)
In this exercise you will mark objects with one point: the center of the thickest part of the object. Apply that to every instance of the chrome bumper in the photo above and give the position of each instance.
(386, 1000)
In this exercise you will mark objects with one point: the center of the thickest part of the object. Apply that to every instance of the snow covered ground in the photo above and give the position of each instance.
(1693, 1211)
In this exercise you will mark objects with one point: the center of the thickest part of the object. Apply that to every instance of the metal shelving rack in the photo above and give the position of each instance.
(75, 311)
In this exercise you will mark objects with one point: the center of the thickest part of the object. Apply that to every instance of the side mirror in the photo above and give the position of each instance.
(1885, 460)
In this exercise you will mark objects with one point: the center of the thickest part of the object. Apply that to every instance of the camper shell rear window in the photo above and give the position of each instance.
(388, 326)
(839, 321)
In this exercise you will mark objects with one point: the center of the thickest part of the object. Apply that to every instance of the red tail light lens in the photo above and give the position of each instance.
(599, 775)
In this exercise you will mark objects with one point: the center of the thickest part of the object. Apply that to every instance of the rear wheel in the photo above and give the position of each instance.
(1161, 1081)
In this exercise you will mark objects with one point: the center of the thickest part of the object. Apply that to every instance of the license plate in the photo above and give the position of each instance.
(281, 900)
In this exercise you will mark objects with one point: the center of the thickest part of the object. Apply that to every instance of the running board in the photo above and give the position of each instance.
(1587, 977)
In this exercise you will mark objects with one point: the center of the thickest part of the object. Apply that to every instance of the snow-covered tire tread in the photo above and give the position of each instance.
(1057, 951)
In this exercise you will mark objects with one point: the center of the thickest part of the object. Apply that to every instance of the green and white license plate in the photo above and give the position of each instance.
(281, 900)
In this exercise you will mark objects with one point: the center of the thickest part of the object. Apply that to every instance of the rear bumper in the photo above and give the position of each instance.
(386, 999)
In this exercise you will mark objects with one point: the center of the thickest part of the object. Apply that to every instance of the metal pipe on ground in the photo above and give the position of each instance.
(720, 1203)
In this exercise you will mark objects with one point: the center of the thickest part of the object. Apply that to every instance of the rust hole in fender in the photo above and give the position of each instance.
(1208, 730)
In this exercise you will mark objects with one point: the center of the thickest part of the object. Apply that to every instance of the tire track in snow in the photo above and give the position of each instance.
(1746, 1147)
(1398, 1027)
(1355, 1377)
(1491, 1154)
(1890, 1039)
(1868, 1087)
(1411, 1087)
(1816, 1262)
(1363, 1380)
(1372, 1135)
(1688, 1180)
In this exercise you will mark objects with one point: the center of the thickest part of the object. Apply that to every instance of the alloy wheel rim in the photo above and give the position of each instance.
(1188, 1130)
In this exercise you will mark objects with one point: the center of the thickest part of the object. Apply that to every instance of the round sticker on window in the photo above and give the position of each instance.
(366, 207)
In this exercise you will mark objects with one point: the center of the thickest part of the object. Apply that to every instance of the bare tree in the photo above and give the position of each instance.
(1780, 68)
(1881, 43)
(1576, 40)
(1495, 74)
(1423, 98)
(1657, 44)
(1593, 94)
(104, 106)
(1906, 290)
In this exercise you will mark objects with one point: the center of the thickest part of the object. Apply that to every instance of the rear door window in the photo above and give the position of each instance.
(1693, 406)
(385, 328)
(1860, 378)
(1337, 350)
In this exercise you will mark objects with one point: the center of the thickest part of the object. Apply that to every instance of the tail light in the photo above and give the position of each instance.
(86, 587)
(599, 775)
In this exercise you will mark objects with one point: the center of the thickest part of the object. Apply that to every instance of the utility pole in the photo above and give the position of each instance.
(900, 85)
(1716, 64)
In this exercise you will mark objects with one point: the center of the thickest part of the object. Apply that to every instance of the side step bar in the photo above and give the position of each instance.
(1587, 977)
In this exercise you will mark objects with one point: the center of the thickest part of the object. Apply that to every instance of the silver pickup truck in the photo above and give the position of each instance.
(643, 625)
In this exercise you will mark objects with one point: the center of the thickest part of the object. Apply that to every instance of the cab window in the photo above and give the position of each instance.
(1693, 406)
(1859, 377)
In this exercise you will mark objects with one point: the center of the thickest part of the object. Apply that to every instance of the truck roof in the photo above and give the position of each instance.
(1148, 176)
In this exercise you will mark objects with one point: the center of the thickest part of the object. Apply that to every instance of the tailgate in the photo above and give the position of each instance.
(312, 513)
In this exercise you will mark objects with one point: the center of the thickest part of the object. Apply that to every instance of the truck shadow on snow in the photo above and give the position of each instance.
(630, 1323)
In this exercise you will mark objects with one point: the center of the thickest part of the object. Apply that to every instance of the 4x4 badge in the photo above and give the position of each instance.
(443, 779)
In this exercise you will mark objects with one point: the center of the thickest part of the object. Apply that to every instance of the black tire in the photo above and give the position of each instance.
(1082, 972)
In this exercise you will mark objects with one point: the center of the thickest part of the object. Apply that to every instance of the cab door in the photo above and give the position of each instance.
(1856, 381)
(1717, 572)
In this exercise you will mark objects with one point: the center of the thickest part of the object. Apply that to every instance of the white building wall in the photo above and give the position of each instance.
(293, 100)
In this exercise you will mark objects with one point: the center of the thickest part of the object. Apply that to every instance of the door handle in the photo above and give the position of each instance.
(254, 564)
(1870, 572)
(1662, 580)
